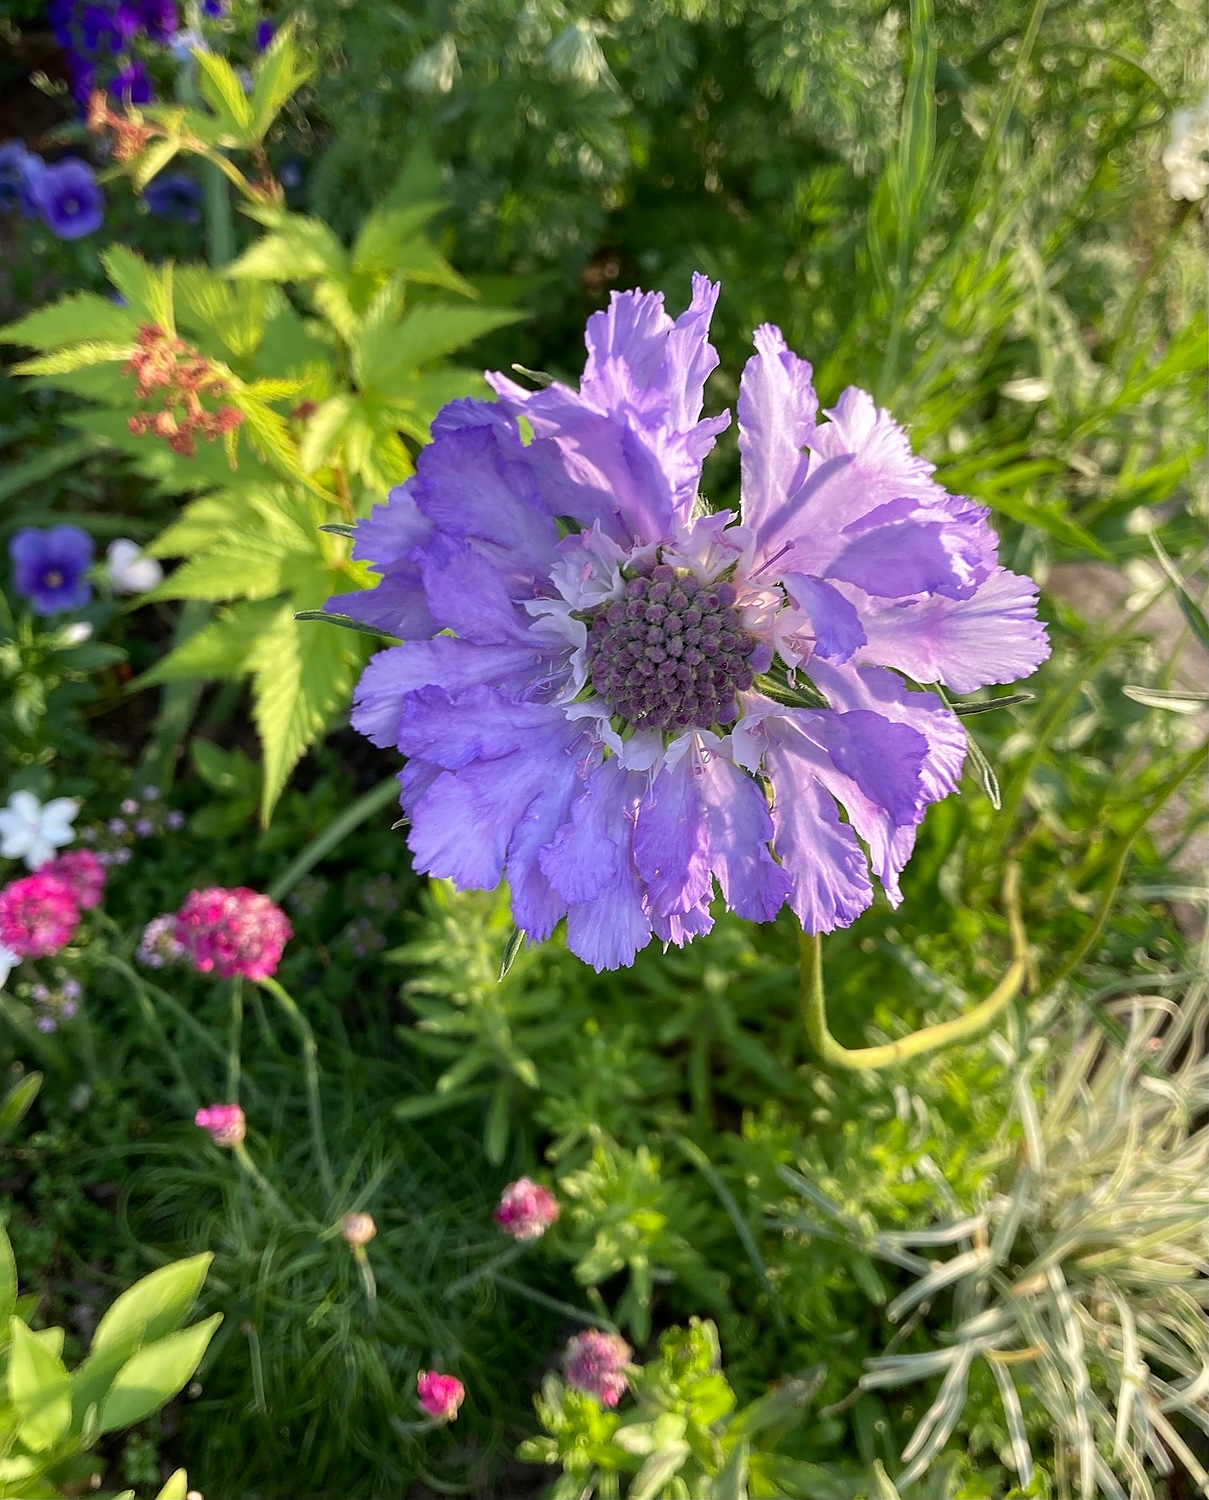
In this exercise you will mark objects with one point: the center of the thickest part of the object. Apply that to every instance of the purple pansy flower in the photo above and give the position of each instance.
(213, 8)
(262, 33)
(49, 567)
(175, 195)
(617, 699)
(68, 198)
(18, 167)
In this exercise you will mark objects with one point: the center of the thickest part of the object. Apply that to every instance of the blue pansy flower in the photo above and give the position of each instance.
(623, 702)
(68, 198)
(49, 567)
(175, 195)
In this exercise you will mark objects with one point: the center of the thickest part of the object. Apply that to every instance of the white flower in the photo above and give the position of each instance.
(8, 962)
(437, 69)
(74, 634)
(1185, 156)
(33, 830)
(129, 569)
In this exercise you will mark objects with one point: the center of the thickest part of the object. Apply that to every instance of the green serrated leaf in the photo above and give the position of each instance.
(250, 565)
(76, 357)
(219, 85)
(301, 250)
(301, 677)
(148, 292)
(278, 76)
(81, 318)
(153, 161)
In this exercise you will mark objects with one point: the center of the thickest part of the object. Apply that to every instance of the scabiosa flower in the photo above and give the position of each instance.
(49, 567)
(594, 1362)
(38, 915)
(440, 1395)
(224, 1122)
(82, 873)
(617, 699)
(175, 195)
(158, 945)
(68, 198)
(526, 1210)
(234, 931)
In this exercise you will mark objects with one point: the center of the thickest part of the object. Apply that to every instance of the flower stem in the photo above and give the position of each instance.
(310, 1067)
(929, 1038)
(236, 1038)
(243, 1157)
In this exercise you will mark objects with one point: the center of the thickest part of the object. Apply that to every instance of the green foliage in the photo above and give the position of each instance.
(335, 359)
(138, 1361)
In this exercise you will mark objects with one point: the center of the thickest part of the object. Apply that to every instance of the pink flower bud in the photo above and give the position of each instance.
(234, 931)
(440, 1395)
(225, 1123)
(38, 915)
(526, 1210)
(358, 1229)
(83, 874)
(594, 1363)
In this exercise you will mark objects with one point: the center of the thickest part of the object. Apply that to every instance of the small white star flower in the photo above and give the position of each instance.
(8, 962)
(33, 830)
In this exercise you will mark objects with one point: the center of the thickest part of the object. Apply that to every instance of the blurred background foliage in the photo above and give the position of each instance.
(967, 213)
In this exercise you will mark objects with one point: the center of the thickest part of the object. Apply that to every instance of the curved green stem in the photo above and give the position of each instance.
(243, 1157)
(929, 1038)
(310, 1066)
(337, 830)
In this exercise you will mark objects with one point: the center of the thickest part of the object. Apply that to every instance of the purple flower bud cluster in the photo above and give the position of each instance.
(55, 1004)
(143, 817)
(672, 654)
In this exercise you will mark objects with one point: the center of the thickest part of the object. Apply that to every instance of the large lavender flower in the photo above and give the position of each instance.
(618, 699)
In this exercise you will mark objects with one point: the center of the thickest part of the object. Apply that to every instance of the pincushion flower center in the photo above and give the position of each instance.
(671, 654)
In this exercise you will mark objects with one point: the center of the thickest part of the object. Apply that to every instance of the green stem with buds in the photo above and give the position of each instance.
(929, 1038)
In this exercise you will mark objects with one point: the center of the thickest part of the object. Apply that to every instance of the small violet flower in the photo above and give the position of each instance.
(33, 830)
(128, 568)
(526, 1210)
(83, 874)
(132, 85)
(158, 945)
(71, 204)
(49, 567)
(440, 1395)
(619, 700)
(173, 195)
(594, 1362)
(38, 915)
(18, 168)
(234, 931)
(262, 33)
(224, 1122)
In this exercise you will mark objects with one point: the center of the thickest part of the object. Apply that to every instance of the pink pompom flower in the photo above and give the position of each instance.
(526, 1210)
(237, 932)
(594, 1362)
(82, 872)
(224, 1122)
(440, 1395)
(38, 915)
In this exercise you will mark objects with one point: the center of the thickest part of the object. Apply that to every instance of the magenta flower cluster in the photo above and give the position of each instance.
(526, 1210)
(625, 703)
(594, 1362)
(39, 913)
(234, 932)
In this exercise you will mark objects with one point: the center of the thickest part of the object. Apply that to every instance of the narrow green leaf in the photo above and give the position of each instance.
(512, 949)
(986, 773)
(1174, 702)
(730, 1482)
(154, 1375)
(75, 357)
(278, 76)
(13, 1108)
(152, 1307)
(1184, 596)
(346, 622)
(658, 1469)
(968, 710)
(148, 292)
(8, 1282)
(339, 528)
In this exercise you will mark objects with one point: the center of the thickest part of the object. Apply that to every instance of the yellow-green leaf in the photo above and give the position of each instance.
(154, 1375)
(219, 85)
(37, 1388)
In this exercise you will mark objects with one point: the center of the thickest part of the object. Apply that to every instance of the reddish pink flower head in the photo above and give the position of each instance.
(526, 1210)
(38, 915)
(440, 1395)
(82, 872)
(235, 932)
(224, 1122)
(594, 1363)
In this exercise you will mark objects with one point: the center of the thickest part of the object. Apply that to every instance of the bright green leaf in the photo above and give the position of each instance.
(37, 1388)
(8, 1281)
(154, 1375)
(13, 1108)
(81, 318)
(152, 1307)
(220, 648)
(219, 85)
